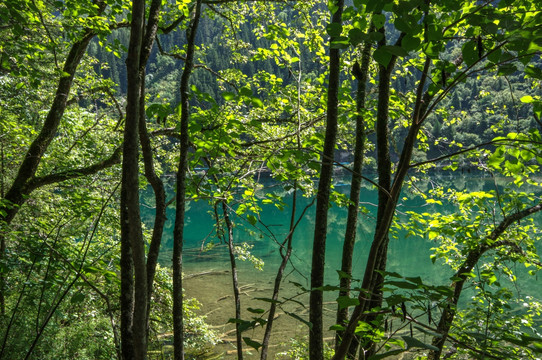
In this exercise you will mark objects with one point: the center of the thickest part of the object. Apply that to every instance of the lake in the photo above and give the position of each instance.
(207, 272)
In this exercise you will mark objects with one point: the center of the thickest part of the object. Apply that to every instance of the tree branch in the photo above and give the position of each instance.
(40, 181)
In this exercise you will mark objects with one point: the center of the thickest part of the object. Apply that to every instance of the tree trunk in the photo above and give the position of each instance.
(360, 72)
(372, 280)
(178, 231)
(235, 281)
(384, 183)
(278, 278)
(316, 342)
(133, 288)
(146, 150)
(18, 192)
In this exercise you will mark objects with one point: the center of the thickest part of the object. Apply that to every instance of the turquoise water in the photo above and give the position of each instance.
(409, 256)
(208, 276)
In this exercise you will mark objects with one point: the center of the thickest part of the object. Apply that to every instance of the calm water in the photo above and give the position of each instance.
(207, 272)
(409, 256)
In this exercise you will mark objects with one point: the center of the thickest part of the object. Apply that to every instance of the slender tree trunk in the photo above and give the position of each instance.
(316, 342)
(235, 281)
(278, 278)
(159, 196)
(146, 150)
(384, 182)
(178, 232)
(361, 73)
(16, 194)
(133, 267)
(2, 235)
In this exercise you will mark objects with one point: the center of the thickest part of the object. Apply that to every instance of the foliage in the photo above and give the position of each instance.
(463, 93)
(299, 350)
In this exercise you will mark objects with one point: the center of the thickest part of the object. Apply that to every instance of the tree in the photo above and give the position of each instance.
(320, 226)
(273, 97)
(25, 59)
(178, 236)
(483, 49)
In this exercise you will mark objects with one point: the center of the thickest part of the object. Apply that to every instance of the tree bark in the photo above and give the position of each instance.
(361, 74)
(235, 281)
(316, 342)
(178, 231)
(278, 278)
(133, 267)
(148, 162)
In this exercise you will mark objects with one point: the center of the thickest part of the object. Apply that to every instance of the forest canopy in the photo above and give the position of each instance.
(108, 107)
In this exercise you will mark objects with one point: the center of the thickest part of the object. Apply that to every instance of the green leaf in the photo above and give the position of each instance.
(470, 52)
(410, 43)
(346, 301)
(386, 354)
(297, 317)
(379, 20)
(394, 50)
(255, 311)
(252, 219)
(432, 49)
(257, 102)
(494, 56)
(337, 327)
(356, 36)
(402, 25)
(402, 284)
(245, 91)
(298, 285)
(344, 275)
(415, 343)
(77, 298)
(382, 57)
(334, 29)
(428, 332)
(253, 344)
(228, 95)
(507, 69)
(327, 288)
(526, 99)
(341, 42)
(434, 33)
(533, 72)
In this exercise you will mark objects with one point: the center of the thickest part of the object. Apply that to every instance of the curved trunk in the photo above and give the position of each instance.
(18, 191)
(235, 281)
